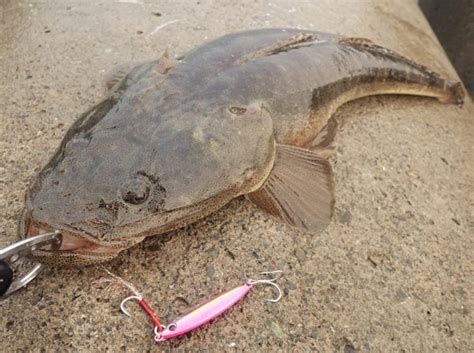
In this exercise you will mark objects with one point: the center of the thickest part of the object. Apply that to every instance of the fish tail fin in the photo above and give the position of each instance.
(454, 94)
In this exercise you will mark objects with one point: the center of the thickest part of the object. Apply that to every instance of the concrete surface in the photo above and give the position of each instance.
(392, 273)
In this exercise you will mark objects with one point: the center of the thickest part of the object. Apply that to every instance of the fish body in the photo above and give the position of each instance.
(247, 114)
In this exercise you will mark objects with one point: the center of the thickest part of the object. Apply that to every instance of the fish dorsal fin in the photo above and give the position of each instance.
(166, 62)
(297, 41)
(299, 189)
(367, 44)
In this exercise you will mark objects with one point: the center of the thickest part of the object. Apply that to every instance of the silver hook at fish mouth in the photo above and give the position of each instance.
(270, 281)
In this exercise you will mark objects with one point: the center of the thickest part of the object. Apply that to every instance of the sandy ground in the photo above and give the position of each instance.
(392, 273)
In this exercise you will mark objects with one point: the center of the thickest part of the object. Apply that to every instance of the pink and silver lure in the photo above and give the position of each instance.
(207, 311)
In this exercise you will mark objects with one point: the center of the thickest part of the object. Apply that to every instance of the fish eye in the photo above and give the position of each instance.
(237, 110)
(135, 191)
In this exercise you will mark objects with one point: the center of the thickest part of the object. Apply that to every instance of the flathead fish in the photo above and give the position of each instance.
(246, 114)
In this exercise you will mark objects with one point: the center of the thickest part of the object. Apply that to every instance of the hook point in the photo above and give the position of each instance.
(122, 304)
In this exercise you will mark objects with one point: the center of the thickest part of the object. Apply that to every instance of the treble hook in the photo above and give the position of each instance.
(146, 307)
(122, 304)
(270, 282)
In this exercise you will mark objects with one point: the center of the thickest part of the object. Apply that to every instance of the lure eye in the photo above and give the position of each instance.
(135, 191)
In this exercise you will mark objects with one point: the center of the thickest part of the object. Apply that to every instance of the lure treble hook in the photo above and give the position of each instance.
(146, 307)
(122, 304)
(270, 281)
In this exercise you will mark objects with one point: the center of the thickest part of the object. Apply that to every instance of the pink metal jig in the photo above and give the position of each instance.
(204, 312)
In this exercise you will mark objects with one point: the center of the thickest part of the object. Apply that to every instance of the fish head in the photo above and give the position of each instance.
(118, 178)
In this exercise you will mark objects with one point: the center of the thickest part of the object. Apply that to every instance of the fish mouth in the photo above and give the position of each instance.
(71, 243)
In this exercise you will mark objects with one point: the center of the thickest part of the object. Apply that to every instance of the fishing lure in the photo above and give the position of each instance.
(202, 313)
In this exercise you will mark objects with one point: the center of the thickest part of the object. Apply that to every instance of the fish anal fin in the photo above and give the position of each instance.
(299, 189)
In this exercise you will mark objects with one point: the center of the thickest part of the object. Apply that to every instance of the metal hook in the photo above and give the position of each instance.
(280, 272)
(270, 282)
(122, 304)
(146, 307)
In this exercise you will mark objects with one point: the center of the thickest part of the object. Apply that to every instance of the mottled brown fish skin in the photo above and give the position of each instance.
(174, 142)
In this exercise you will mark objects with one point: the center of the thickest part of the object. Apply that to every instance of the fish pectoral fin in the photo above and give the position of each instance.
(299, 189)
